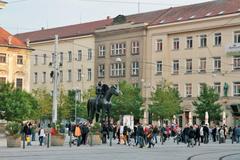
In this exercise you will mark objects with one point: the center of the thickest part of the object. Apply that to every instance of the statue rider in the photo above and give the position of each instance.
(99, 93)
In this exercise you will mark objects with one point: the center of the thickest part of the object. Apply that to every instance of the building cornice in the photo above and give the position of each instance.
(193, 21)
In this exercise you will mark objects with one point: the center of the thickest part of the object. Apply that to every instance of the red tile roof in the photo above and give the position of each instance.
(198, 11)
(15, 42)
(170, 15)
(64, 32)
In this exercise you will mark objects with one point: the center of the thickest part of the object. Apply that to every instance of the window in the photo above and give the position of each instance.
(217, 64)
(159, 45)
(69, 56)
(189, 42)
(101, 70)
(79, 77)
(189, 66)
(2, 58)
(135, 47)
(237, 37)
(89, 74)
(188, 90)
(2, 80)
(118, 49)
(44, 58)
(101, 51)
(176, 43)
(35, 59)
(176, 67)
(159, 67)
(202, 67)
(19, 83)
(175, 86)
(69, 75)
(61, 57)
(89, 54)
(135, 68)
(61, 76)
(236, 89)
(79, 58)
(19, 59)
(236, 63)
(117, 70)
(217, 87)
(44, 77)
(35, 77)
(201, 85)
(203, 40)
(218, 39)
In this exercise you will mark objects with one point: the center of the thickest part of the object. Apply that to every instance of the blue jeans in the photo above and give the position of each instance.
(155, 137)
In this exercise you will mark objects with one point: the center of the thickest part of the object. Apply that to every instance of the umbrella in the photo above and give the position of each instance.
(206, 118)
(190, 118)
(224, 118)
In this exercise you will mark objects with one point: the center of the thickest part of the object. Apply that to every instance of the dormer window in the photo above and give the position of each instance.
(192, 17)
(162, 21)
(180, 18)
(208, 14)
(221, 12)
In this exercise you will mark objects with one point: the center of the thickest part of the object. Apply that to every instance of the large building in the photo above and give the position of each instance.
(196, 44)
(187, 46)
(75, 56)
(14, 61)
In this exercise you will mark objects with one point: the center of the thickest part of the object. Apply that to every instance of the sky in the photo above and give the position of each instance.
(28, 15)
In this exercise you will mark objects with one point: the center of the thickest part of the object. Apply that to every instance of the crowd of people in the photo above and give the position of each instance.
(139, 135)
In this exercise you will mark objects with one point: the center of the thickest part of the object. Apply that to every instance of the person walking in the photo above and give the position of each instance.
(41, 134)
(237, 134)
(191, 135)
(110, 132)
(78, 134)
(155, 133)
(197, 135)
(150, 137)
(205, 133)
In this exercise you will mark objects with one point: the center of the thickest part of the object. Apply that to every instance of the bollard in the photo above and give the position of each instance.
(48, 136)
(23, 138)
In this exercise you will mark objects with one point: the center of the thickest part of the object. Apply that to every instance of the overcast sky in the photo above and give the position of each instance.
(28, 15)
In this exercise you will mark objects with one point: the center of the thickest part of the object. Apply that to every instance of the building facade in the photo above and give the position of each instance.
(14, 61)
(191, 45)
(75, 56)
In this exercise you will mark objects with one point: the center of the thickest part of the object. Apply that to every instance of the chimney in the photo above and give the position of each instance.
(10, 40)
(28, 42)
(42, 28)
(108, 17)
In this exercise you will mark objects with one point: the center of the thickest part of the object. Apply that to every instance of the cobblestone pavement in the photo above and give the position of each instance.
(168, 151)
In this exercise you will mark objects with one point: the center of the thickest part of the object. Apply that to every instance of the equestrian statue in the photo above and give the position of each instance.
(101, 105)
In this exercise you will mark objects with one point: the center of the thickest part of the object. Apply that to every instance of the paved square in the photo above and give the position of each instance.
(168, 151)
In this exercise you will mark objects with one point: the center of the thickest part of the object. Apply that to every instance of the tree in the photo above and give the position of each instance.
(165, 102)
(82, 106)
(206, 102)
(44, 100)
(130, 102)
(15, 104)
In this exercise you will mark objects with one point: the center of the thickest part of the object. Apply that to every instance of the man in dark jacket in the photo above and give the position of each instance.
(197, 135)
(191, 135)
(205, 133)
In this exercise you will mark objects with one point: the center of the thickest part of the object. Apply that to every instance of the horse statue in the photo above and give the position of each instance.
(104, 103)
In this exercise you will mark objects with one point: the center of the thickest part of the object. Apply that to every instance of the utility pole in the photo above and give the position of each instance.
(55, 80)
(138, 6)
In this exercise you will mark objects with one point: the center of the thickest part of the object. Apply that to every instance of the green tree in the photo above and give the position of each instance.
(130, 102)
(16, 105)
(44, 100)
(207, 102)
(165, 102)
(82, 106)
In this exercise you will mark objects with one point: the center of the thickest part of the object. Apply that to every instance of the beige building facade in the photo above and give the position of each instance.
(75, 57)
(14, 61)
